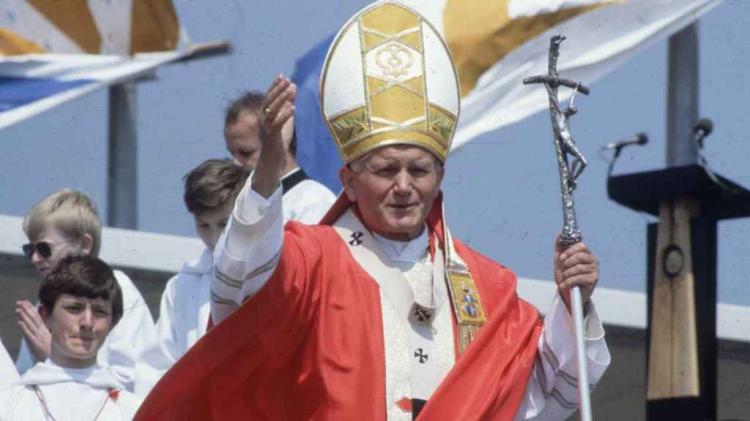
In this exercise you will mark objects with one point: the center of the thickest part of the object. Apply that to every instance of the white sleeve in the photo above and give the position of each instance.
(307, 202)
(552, 392)
(8, 372)
(24, 360)
(163, 352)
(247, 252)
(132, 334)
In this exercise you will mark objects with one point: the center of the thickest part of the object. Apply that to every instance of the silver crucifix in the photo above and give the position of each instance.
(564, 144)
(569, 172)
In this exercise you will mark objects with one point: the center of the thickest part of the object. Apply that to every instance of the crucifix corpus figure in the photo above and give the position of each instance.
(564, 143)
(569, 172)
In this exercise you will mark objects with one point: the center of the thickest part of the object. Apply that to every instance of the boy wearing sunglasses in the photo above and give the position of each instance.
(64, 224)
(81, 302)
(210, 192)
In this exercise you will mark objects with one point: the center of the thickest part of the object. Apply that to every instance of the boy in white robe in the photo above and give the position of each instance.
(81, 302)
(66, 223)
(8, 372)
(210, 191)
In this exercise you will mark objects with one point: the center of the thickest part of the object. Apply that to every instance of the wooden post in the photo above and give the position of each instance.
(673, 355)
(681, 378)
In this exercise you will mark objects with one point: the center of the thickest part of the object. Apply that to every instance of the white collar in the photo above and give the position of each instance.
(48, 372)
(291, 172)
(404, 251)
(201, 265)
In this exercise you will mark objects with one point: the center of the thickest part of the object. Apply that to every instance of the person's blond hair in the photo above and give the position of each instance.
(68, 211)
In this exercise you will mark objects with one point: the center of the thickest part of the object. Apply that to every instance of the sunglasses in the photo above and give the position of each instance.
(44, 248)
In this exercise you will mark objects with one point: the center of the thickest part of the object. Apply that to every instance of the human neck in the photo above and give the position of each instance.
(69, 362)
(291, 164)
(400, 236)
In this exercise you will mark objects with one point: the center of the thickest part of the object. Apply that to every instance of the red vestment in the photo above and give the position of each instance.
(309, 345)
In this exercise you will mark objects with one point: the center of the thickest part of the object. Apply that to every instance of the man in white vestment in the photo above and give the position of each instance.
(305, 200)
(210, 191)
(377, 312)
(63, 224)
(81, 301)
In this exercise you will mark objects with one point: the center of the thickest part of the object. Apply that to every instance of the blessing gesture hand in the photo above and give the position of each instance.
(276, 128)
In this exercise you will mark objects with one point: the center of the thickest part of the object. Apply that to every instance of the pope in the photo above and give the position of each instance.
(377, 312)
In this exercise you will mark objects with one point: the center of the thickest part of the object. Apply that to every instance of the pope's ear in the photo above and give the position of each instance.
(440, 172)
(346, 175)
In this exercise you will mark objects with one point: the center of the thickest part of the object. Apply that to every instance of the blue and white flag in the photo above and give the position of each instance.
(316, 152)
(496, 43)
(54, 51)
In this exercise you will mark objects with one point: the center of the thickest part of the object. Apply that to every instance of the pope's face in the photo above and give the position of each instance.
(394, 188)
(78, 326)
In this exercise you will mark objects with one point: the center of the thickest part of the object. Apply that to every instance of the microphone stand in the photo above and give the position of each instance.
(569, 172)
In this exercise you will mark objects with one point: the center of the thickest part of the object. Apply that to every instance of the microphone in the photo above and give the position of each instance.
(701, 129)
(639, 139)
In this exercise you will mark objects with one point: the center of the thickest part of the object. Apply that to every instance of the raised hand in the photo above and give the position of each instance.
(34, 330)
(277, 127)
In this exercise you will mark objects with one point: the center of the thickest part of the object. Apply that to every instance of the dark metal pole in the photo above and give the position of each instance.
(682, 97)
(122, 187)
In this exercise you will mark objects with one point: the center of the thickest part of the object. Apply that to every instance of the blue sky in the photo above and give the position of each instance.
(502, 191)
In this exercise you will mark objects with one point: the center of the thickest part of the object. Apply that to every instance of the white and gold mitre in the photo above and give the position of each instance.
(389, 79)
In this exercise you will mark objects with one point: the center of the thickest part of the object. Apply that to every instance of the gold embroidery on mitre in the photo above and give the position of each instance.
(397, 109)
(396, 104)
(389, 18)
(394, 136)
(349, 125)
(442, 122)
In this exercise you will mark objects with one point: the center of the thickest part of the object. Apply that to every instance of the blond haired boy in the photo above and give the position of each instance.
(64, 224)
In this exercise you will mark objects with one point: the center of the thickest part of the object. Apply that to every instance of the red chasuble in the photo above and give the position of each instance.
(309, 345)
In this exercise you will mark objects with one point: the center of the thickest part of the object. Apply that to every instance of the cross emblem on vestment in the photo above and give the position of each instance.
(356, 238)
(422, 314)
(419, 353)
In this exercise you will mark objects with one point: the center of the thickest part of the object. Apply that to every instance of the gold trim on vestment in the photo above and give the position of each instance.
(467, 304)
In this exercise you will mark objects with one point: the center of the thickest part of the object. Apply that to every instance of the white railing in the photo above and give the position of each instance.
(120, 247)
(166, 253)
